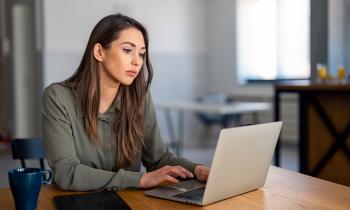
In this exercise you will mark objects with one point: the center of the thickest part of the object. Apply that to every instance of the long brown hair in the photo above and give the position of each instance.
(129, 123)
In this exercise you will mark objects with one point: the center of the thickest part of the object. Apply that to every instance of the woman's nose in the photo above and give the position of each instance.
(136, 60)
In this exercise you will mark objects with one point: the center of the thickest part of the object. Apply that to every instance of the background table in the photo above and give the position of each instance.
(283, 189)
(324, 129)
(191, 106)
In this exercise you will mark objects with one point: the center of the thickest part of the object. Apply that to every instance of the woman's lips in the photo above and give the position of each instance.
(131, 73)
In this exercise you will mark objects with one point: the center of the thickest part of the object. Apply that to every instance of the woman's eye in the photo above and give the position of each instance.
(142, 55)
(127, 51)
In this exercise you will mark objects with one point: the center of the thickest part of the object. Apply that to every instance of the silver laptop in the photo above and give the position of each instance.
(241, 161)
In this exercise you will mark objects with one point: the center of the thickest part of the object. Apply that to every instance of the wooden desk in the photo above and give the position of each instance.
(283, 189)
(324, 129)
(193, 106)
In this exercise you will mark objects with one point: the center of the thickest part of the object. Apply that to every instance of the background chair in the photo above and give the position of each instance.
(209, 120)
(28, 148)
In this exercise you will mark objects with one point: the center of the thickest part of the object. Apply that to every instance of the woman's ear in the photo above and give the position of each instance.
(98, 52)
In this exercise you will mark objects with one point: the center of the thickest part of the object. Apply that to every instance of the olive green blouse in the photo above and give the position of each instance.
(77, 164)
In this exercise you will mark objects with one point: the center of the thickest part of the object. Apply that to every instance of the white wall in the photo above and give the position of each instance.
(222, 52)
(173, 24)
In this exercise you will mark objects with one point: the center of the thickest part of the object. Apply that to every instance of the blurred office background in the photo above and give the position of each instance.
(233, 47)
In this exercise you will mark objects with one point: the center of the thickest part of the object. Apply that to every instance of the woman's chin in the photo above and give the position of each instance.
(127, 82)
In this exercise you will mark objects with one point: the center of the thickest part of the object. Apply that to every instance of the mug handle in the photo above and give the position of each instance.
(46, 179)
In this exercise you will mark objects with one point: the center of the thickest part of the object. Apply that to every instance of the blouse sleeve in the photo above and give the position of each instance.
(69, 173)
(155, 154)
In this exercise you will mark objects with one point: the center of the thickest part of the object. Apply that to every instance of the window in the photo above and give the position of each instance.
(272, 39)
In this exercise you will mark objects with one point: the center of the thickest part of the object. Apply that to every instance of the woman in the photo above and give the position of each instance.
(100, 124)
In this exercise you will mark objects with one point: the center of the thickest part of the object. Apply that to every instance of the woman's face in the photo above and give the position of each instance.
(122, 61)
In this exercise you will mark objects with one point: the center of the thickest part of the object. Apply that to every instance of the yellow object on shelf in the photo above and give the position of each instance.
(341, 72)
(322, 71)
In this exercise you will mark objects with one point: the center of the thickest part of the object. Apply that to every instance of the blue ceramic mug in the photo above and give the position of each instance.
(25, 186)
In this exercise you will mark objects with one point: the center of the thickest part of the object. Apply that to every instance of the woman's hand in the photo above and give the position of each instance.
(166, 173)
(201, 172)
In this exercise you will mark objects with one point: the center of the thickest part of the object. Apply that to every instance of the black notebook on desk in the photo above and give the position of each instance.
(105, 200)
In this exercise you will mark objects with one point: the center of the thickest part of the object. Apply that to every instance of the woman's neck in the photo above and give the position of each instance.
(108, 94)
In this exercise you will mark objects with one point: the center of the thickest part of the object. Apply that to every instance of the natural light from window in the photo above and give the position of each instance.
(272, 39)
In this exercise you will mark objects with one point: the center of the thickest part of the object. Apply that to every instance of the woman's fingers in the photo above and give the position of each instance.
(169, 179)
(176, 171)
(173, 172)
(185, 172)
(201, 172)
(164, 174)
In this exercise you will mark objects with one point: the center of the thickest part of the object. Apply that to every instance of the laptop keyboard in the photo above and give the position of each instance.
(185, 186)
(196, 195)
